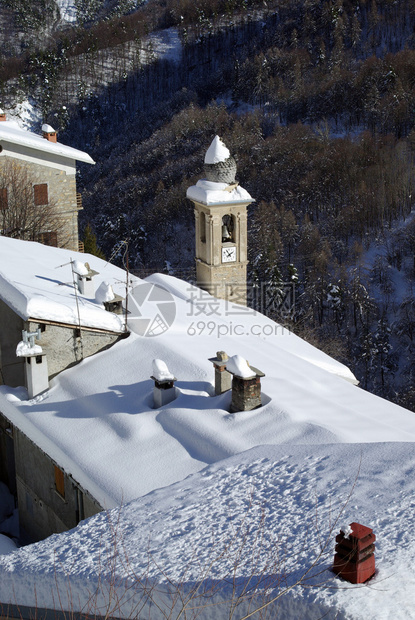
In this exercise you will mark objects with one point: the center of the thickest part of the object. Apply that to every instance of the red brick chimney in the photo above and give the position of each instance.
(49, 133)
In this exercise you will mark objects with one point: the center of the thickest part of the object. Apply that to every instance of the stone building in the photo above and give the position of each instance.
(39, 291)
(221, 226)
(48, 168)
(46, 317)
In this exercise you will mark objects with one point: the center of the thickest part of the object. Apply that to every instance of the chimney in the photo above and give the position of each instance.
(2, 115)
(84, 275)
(246, 384)
(223, 379)
(112, 302)
(354, 559)
(36, 366)
(49, 133)
(164, 391)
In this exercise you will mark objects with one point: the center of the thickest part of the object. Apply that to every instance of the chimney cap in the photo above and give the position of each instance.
(47, 128)
(239, 367)
(220, 359)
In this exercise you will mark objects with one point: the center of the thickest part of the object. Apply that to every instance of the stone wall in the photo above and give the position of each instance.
(49, 500)
(61, 182)
(62, 197)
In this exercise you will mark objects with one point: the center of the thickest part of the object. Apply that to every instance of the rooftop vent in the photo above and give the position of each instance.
(49, 133)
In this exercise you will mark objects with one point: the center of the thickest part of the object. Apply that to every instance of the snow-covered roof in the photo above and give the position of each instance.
(316, 439)
(260, 516)
(12, 133)
(211, 193)
(306, 400)
(36, 282)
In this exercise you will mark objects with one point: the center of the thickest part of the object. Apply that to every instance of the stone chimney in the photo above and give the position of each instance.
(164, 391)
(223, 379)
(2, 115)
(49, 133)
(36, 367)
(246, 384)
(84, 275)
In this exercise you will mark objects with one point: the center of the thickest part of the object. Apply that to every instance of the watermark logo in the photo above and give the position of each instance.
(151, 310)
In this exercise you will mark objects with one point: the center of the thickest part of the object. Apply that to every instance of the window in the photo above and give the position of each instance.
(203, 227)
(3, 199)
(228, 228)
(59, 481)
(49, 238)
(40, 194)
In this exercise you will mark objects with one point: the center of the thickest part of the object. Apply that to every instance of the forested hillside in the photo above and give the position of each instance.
(316, 100)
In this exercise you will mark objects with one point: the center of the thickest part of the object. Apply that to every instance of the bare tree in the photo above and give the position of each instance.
(26, 211)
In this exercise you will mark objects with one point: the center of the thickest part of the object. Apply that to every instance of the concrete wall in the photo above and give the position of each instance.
(64, 347)
(43, 510)
(11, 367)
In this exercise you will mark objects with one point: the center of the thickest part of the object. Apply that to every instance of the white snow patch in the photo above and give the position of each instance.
(80, 268)
(238, 366)
(160, 371)
(209, 192)
(104, 293)
(217, 152)
(24, 349)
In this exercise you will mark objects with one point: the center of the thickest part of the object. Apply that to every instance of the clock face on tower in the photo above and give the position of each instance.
(229, 254)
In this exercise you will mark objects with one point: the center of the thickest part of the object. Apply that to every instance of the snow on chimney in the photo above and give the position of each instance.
(106, 296)
(164, 391)
(49, 133)
(246, 384)
(2, 115)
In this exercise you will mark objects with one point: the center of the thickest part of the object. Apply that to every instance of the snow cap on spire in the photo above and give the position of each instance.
(217, 152)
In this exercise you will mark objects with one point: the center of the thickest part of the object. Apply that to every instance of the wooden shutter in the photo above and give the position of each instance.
(41, 194)
(60, 481)
(3, 199)
(49, 238)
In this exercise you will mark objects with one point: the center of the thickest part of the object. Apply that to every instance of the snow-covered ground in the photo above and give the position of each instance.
(248, 498)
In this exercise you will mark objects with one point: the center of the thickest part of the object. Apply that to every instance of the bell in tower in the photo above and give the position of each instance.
(221, 226)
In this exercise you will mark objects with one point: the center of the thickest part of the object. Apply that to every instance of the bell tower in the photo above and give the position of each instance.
(221, 226)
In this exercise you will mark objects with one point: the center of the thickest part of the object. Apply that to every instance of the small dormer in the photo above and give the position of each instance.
(85, 276)
(49, 133)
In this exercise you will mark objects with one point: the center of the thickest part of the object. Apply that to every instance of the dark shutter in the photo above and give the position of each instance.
(60, 481)
(41, 194)
(49, 238)
(3, 199)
